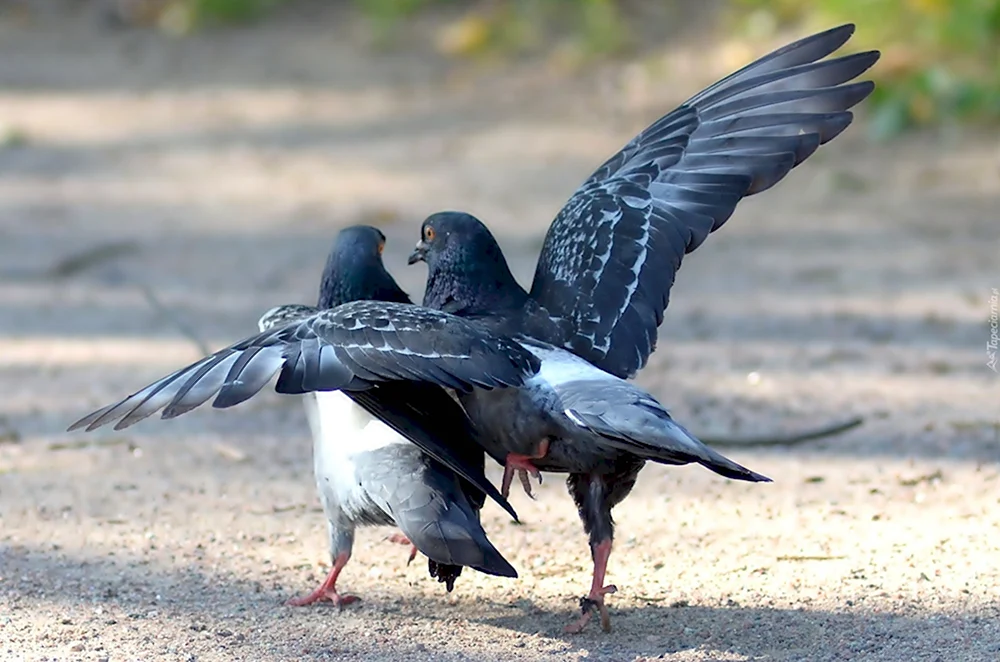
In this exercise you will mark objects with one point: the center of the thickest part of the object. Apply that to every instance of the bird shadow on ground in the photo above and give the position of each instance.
(221, 612)
(792, 634)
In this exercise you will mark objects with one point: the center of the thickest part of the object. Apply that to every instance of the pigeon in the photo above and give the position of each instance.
(366, 472)
(391, 451)
(604, 275)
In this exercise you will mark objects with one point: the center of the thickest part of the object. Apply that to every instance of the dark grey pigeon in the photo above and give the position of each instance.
(392, 446)
(606, 268)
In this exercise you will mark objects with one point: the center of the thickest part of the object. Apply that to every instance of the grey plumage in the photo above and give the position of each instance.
(427, 503)
(606, 268)
(397, 453)
(349, 347)
(422, 413)
(610, 257)
(591, 418)
(391, 445)
(369, 474)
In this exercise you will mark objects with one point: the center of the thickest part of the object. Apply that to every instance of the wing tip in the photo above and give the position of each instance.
(505, 504)
(842, 32)
(82, 423)
(94, 420)
(122, 424)
(859, 91)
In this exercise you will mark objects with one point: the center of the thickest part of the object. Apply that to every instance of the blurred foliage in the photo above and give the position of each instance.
(940, 65)
(940, 58)
(593, 27)
(180, 17)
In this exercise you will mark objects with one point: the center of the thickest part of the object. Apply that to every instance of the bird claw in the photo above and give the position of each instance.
(523, 467)
(327, 591)
(587, 605)
(323, 595)
(523, 476)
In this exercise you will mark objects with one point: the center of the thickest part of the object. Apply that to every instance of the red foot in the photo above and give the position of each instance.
(327, 591)
(401, 539)
(522, 465)
(323, 595)
(595, 599)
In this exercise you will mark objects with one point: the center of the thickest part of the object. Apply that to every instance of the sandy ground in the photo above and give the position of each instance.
(218, 169)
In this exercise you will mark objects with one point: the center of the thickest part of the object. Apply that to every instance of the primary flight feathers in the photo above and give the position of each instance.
(610, 257)
(349, 347)
(427, 416)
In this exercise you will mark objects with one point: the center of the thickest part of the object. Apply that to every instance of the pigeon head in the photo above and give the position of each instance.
(466, 270)
(452, 236)
(355, 272)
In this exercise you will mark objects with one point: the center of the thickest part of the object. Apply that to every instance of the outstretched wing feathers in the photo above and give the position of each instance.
(825, 73)
(350, 347)
(611, 255)
(427, 416)
(790, 56)
(204, 383)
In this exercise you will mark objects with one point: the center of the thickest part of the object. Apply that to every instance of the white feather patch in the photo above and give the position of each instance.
(341, 430)
(346, 429)
(560, 366)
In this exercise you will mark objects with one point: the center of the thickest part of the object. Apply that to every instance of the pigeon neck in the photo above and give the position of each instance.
(345, 280)
(474, 287)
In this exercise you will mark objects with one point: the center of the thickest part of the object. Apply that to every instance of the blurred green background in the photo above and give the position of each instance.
(940, 62)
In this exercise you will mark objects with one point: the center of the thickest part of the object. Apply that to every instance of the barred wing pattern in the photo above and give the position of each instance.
(425, 414)
(611, 255)
(349, 347)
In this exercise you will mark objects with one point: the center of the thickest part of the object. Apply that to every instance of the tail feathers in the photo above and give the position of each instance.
(456, 538)
(725, 467)
(494, 563)
(713, 460)
(663, 440)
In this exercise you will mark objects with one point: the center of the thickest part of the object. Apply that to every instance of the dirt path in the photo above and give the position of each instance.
(218, 169)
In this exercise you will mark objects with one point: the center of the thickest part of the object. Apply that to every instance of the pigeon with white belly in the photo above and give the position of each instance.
(391, 446)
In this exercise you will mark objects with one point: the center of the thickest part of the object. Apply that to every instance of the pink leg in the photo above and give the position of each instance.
(401, 539)
(327, 591)
(597, 592)
(522, 465)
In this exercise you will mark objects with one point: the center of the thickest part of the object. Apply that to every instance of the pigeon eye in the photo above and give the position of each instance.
(381, 247)
(428, 233)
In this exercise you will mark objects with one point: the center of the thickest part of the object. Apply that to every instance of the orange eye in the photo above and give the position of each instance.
(381, 247)
(428, 233)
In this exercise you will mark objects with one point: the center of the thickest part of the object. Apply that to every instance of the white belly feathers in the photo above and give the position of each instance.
(347, 427)
(341, 430)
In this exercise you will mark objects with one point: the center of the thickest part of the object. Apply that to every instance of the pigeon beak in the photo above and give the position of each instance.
(419, 253)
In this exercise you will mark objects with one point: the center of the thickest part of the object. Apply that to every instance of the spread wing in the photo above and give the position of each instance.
(422, 413)
(346, 348)
(611, 255)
